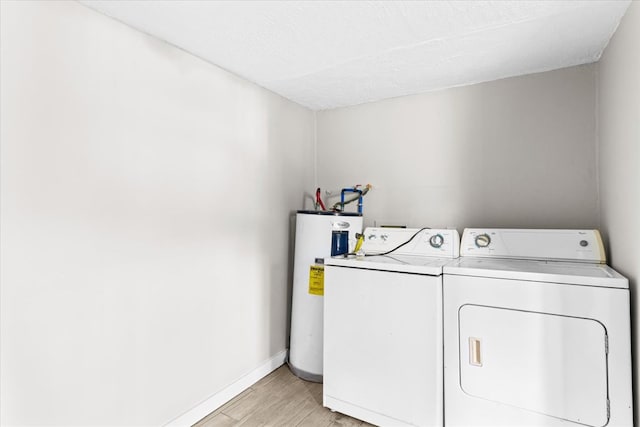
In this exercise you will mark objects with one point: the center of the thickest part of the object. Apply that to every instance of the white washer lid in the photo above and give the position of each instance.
(574, 273)
(430, 266)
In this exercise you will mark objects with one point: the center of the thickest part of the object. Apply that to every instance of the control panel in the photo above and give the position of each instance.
(426, 242)
(560, 245)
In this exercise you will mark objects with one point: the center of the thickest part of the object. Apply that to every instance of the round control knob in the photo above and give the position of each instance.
(483, 240)
(584, 243)
(436, 241)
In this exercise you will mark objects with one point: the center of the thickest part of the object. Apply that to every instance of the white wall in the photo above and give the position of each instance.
(145, 214)
(619, 155)
(518, 152)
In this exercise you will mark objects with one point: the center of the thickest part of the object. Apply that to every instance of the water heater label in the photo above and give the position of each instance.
(316, 280)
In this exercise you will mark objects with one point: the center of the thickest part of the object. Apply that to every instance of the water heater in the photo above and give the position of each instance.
(315, 231)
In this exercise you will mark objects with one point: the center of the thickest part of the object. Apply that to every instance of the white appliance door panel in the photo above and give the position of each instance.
(609, 309)
(549, 364)
(383, 343)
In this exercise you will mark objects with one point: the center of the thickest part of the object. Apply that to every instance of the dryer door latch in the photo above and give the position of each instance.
(475, 353)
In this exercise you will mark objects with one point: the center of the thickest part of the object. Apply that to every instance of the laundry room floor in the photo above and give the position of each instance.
(279, 399)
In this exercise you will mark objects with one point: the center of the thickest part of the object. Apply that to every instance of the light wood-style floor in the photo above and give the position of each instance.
(280, 400)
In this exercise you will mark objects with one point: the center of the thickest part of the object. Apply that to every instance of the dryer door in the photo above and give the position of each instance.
(545, 363)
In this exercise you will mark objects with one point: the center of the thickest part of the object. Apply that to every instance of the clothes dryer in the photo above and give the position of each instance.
(383, 328)
(536, 332)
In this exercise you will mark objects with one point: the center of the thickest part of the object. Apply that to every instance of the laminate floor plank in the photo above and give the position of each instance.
(344, 421)
(278, 400)
(244, 407)
(218, 420)
(233, 401)
(280, 376)
(293, 412)
(320, 417)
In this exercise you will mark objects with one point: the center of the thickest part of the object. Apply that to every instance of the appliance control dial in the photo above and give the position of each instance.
(436, 241)
(483, 240)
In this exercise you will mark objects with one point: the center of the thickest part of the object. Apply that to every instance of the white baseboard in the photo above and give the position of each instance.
(204, 408)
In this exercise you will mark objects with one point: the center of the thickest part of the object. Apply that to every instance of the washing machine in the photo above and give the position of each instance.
(536, 331)
(383, 327)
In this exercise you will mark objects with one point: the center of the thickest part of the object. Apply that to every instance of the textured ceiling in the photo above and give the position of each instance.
(327, 54)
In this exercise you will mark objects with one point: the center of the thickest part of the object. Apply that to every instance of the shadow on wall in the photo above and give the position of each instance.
(289, 175)
(526, 151)
(307, 203)
(518, 152)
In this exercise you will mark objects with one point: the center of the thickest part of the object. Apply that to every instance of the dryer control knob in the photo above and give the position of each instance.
(483, 240)
(436, 241)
